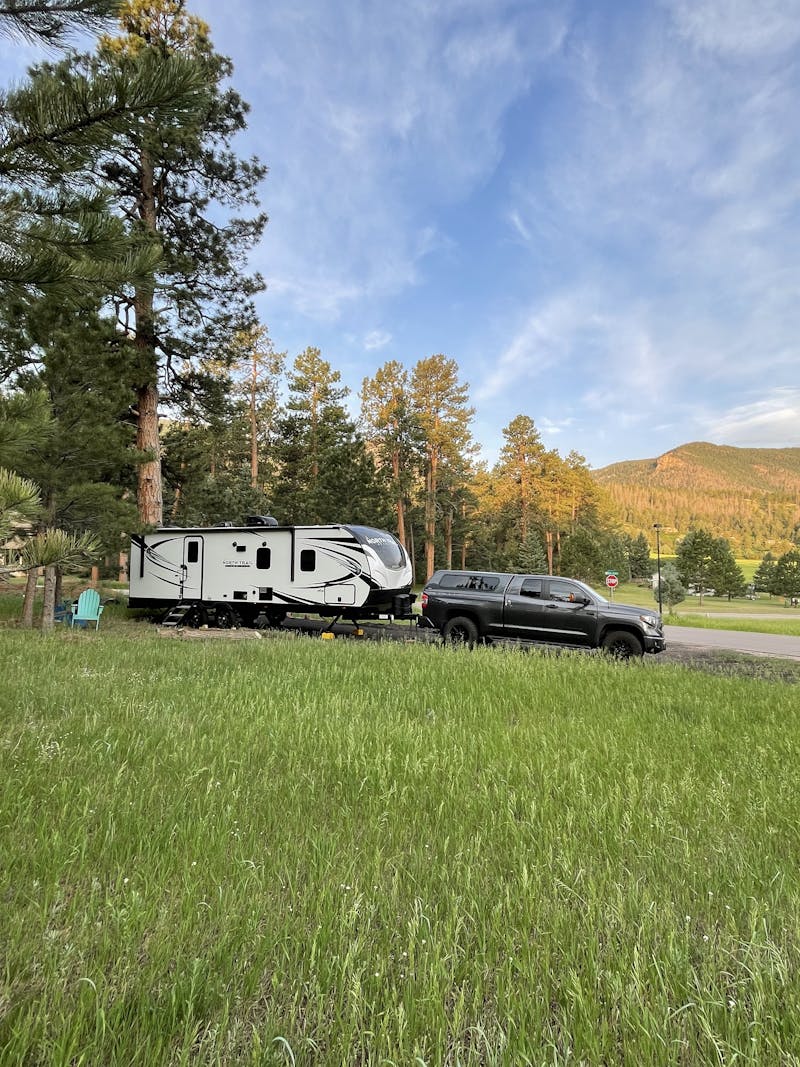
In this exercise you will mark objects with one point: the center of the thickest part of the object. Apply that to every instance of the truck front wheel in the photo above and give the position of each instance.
(460, 631)
(622, 645)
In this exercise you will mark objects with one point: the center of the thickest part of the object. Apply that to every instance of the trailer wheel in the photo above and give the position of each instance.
(622, 645)
(276, 619)
(460, 631)
(226, 617)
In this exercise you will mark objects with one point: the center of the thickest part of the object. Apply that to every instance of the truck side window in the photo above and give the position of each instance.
(263, 558)
(193, 552)
(562, 591)
(308, 559)
(531, 587)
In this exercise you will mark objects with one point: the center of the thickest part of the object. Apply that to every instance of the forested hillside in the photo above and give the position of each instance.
(751, 496)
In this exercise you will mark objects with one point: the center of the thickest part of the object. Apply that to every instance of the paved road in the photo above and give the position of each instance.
(754, 644)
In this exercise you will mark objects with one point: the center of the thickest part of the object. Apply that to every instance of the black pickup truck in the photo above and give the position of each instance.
(468, 606)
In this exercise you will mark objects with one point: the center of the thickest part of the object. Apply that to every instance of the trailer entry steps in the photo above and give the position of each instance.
(176, 616)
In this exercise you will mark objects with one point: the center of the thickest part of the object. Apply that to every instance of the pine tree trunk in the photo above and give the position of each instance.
(49, 603)
(123, 567)
(30, 596)
(254, 424)
(149, 492)
(448, 534)
(399, 506)
(548, 536)
(411, 553)
(430, 516)
(150, 498)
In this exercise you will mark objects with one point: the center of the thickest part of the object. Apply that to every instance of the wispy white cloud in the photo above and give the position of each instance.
(670, 223)
(623, 181)
(770, 422)
(738, 27)
(376, 339)
(543, 339)
(376, 118)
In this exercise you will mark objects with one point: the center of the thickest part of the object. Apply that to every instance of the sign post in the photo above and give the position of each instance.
(612, 581)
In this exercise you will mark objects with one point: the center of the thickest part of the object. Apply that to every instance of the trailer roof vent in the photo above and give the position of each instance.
(217, 524)
(260, 520)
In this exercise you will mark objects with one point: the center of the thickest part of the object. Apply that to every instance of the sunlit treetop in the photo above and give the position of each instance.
(161, 24)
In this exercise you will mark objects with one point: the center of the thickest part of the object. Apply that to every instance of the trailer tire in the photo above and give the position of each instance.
(622, 645)
(460, 630)
(227, 618)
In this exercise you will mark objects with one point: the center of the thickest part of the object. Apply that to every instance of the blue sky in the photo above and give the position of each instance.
(592, 206)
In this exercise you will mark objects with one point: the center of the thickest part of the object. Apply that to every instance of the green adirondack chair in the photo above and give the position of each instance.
(88, 609)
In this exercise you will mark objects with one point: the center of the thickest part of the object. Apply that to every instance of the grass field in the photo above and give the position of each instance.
(630, 593)
(287, 851)
(789, 626)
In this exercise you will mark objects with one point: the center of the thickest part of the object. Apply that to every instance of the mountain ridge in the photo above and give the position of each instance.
(751, 496)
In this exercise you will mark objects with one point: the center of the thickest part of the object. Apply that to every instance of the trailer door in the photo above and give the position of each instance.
(192, 569)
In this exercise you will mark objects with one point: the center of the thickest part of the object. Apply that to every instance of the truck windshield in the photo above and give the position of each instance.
(388, 548)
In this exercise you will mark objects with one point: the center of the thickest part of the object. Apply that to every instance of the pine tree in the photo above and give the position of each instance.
(582, 556)
(326, 474)
(56, 231)
(258, 371)
(764, 576)
(786, 580)
(531, 558)
(440, 406)
(173, 184)
(520, 471)
(707, 561)
(83, 461)
(639, 562)
(393, 433)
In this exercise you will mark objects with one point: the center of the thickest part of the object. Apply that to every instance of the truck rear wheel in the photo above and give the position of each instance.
(460, 631)
(622, 645)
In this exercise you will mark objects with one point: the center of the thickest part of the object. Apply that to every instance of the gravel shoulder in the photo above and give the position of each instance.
(730, 663)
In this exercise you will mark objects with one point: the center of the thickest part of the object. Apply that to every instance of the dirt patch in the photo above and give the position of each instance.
(207, 634)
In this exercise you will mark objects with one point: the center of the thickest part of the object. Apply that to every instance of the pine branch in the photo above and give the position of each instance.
(61, 120)
(51, 21)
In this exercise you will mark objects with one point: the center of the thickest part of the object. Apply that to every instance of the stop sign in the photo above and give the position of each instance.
(612, 581)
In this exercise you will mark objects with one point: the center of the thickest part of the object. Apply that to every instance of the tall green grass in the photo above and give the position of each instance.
(294, 851)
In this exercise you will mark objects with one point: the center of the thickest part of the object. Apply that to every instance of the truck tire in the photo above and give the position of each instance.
(460, 631)
(622, 645)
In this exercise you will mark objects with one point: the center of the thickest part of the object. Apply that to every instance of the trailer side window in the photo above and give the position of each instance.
(193, 552)
(263, 558)
(308, 559)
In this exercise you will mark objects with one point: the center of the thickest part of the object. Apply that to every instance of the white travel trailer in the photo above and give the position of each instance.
(255, 573)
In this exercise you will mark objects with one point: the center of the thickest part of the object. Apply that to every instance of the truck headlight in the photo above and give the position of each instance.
(651, 621)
